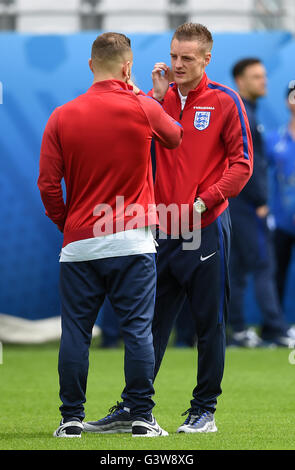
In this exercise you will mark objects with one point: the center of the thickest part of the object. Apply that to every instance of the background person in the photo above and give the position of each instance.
(280, 148)
(252, 244)
(100, 144)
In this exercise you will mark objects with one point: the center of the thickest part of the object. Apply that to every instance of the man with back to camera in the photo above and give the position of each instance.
(100, 144)
(252, 244)
(213, 162)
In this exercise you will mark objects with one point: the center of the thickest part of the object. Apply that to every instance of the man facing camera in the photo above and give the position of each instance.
(213, 163)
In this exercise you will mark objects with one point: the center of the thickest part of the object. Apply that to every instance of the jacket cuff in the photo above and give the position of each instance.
(212, 197)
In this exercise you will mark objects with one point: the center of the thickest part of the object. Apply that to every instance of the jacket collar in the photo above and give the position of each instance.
(109, 85)
(199, 88)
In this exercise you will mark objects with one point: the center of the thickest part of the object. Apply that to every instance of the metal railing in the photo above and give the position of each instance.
(268, 14)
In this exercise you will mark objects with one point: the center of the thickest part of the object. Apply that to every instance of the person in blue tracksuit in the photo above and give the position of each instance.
(280, 149)
(252, 244)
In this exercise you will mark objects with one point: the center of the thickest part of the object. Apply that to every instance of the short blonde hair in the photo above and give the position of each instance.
(194, 31)
(109, 47)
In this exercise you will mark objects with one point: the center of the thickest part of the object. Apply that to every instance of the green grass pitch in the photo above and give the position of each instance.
(255, 411)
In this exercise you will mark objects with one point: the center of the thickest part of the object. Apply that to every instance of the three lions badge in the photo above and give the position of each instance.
(202, 119)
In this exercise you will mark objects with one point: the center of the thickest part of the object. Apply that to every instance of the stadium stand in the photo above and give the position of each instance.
(53, 16)
(48, 16)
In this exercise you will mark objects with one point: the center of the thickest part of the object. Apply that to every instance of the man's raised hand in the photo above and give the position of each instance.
(161, 76)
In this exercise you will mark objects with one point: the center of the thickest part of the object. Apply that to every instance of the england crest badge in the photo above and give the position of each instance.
(202, 119)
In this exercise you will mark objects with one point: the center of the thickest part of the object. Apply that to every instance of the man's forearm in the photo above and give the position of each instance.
(230, 185)
(54, 205)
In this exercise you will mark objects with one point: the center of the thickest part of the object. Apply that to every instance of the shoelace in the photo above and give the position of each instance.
(188, 411)
(114, 410)
(200, 418)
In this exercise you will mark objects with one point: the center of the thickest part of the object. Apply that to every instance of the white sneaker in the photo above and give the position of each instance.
(291, 332)
(144, 428)
(246, 338)
(69, 429)
(204, 422)
(189, 420)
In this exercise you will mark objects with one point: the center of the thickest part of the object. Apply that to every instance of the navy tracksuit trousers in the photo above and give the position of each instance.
(253, 253)
(202, 276)
(129, 282)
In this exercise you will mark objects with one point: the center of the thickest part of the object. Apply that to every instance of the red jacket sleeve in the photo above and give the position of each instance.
(51, 171)
(239, 152)
(164, 128)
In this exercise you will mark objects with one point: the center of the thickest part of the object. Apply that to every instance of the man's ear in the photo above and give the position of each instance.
(126, 70)
(90, 65)
(239, 82)
(207, 58)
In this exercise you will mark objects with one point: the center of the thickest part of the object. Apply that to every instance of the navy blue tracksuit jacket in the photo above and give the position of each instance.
(251, 250)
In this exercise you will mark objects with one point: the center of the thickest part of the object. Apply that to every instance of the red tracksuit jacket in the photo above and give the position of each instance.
(215, 158)
(100, 143)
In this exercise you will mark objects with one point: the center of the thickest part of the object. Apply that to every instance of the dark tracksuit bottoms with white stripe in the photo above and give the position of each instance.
(182, 273)
(129, 282)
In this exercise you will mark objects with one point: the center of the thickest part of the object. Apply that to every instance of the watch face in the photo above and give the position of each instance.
(198, 207)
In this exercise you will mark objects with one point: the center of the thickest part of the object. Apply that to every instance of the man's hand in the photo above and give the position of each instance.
(161, 75)
(262, 211)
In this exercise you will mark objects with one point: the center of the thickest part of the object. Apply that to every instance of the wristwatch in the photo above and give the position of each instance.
(199, 206)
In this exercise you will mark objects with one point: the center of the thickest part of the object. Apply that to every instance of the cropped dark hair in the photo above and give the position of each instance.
(239, 68)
